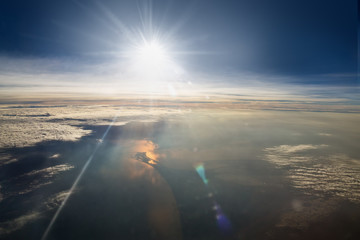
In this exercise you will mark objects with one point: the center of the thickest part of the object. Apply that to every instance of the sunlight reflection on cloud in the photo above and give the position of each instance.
(318, 172)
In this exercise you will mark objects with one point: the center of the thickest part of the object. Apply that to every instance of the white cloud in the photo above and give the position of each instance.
(17, 223)
(286, 149)
(50, 171)
(28, 125)
(35, 179)
(56, 155)
(325, 134)
(6, 159)
(29, 132)
(318, 172)
(55, 200)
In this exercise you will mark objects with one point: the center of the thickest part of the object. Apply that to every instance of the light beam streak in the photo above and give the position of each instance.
(76, 182)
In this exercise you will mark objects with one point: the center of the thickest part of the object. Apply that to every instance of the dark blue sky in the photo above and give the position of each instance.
(305, 39)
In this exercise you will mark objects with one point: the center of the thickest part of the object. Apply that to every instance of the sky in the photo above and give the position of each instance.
(282, 44)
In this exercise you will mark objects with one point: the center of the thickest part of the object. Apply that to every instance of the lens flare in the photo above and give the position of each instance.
(201, 171)
(222, 221)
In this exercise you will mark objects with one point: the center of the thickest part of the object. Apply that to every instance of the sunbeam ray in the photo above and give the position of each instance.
(76, 182)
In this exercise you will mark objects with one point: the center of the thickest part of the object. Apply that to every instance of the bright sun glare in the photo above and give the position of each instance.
(152, 63)
(151, 55)
(152, 52)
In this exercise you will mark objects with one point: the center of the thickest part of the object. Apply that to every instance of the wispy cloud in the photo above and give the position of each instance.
(325, 134)
(6, 158)
(33, 180)
(17, 223)
(287, 149)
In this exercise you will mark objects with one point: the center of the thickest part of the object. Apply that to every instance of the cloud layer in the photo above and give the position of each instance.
(310, 168)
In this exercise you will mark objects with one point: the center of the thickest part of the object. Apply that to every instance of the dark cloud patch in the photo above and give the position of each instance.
(33, 115)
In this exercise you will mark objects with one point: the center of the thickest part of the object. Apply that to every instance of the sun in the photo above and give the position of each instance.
(152, 63)
(151, 57)
(152, 54)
